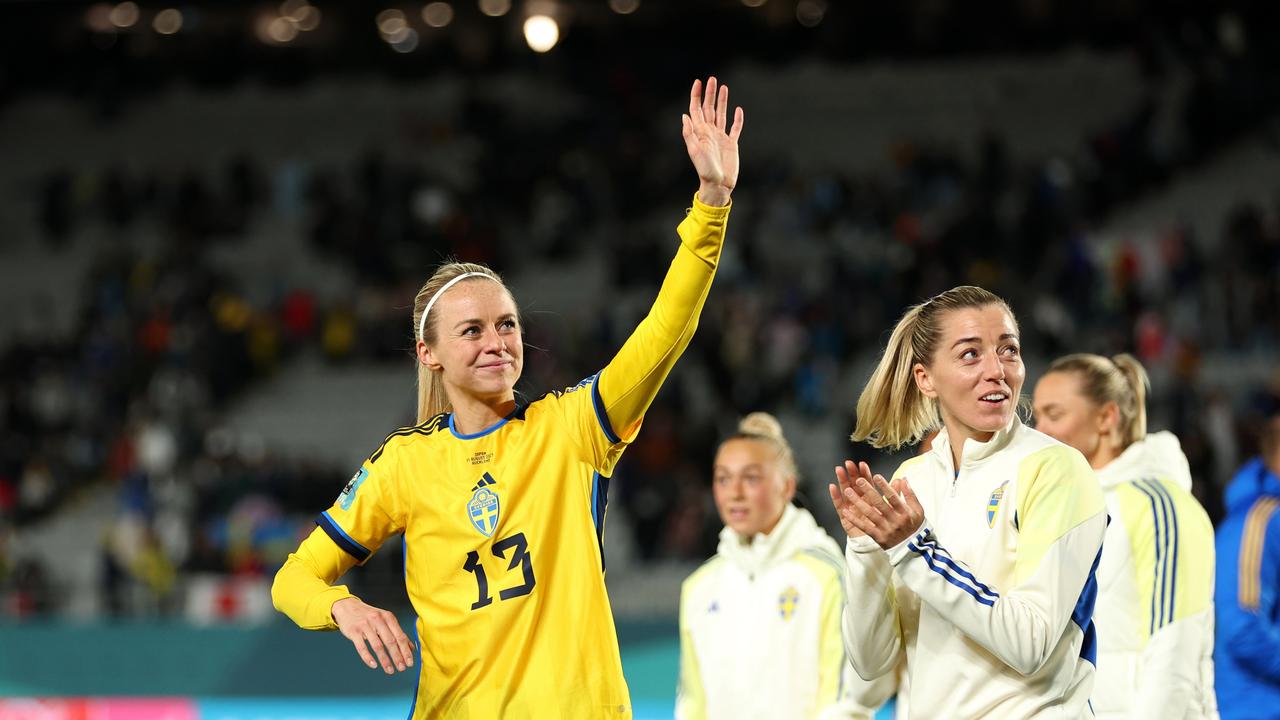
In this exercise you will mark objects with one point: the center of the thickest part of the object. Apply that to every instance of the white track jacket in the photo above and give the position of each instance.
(760, 631)
(992, 599)
(1155, 590)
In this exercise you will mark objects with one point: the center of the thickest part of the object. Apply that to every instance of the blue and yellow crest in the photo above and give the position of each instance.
(787, 602)
(482, 510)
(993, 503)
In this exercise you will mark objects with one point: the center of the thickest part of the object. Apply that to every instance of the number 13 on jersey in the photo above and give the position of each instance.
(519, 549)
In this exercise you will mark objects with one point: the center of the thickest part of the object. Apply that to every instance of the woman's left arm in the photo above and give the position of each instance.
(629, 383)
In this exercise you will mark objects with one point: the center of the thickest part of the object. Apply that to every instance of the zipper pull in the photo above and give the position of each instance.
(954, 478)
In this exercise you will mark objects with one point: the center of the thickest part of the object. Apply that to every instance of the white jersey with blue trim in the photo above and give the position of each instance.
(991, 601)
(1155, 590)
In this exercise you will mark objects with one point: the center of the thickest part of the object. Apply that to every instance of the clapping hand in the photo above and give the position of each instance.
(868, 505)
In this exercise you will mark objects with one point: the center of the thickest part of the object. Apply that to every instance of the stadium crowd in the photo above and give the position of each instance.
(819, 265)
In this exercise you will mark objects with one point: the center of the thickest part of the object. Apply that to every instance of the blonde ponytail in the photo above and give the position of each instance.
(1133, 419)
(1121, 380)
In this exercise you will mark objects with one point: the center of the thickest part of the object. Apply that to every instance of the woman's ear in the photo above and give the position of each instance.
(789, 488)
(1109, 420)
(426, 356)
(923, 380)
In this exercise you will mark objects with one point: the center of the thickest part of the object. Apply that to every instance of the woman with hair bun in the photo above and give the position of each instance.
(1155, 601)
(760, 620)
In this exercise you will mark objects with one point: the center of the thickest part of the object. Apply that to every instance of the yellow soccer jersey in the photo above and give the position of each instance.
(502, 535)
(503, 528)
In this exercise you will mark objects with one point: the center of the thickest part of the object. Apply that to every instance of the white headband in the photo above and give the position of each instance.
(422, 322)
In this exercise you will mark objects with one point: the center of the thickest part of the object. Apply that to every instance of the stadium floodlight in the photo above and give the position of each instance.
(167, 21)
(281, 30)
(542, 33)
(495, 8)
(125, 15)
(293, 8)
(391, 22)
(405, 42)
(402, 35)
(307, 18)
(437, 14)
(809, 13)
(98, 18)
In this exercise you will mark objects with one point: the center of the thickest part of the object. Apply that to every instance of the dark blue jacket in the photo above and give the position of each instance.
(1247, 647)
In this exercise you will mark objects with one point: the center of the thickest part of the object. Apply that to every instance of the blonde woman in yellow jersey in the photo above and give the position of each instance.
(977, 562)
(502, 503)
(1155, 581)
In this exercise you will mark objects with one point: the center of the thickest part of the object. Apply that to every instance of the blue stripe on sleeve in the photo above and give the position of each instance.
(341, 538)
(1171, 529)
(928, 558)
(601, 415)
(927, 540)
(1165, 590)
(1156, 584)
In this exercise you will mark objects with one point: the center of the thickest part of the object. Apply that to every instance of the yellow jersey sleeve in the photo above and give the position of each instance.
(367, 512)
(624, 389)
(303, 588)
(370, 508)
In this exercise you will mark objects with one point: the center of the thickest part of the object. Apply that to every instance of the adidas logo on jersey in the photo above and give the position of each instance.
(484, 507)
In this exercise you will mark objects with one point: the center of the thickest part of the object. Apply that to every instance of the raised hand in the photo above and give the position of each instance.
(868, 505)
(713, 150)
(374, 629)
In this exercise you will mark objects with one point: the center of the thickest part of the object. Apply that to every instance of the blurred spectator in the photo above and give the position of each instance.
(1247, 651)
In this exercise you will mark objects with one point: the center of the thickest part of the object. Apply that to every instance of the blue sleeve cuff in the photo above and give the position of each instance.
(341, 538)
(601, 415)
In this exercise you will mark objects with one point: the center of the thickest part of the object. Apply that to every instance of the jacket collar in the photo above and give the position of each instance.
(795, 531)
(975, 452)
(1158, 454)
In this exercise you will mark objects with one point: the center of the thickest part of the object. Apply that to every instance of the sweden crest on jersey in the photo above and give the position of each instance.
(787, 603)
(483, 511)
(993, 503)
